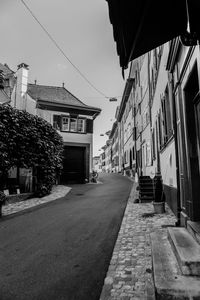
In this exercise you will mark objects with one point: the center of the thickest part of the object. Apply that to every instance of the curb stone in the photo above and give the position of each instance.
(58, 191)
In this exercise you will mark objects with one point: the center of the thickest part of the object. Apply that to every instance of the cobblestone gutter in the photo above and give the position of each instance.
(130, 272)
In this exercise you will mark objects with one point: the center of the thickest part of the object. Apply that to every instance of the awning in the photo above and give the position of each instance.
(142, 25)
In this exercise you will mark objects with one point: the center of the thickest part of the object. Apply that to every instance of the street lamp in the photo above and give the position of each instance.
(113, 99)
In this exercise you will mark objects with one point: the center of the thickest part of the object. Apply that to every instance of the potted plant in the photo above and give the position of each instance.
(2, 201)
(159, 201)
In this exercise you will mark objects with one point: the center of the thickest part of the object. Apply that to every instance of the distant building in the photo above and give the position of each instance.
(114, 148)
(97, 163)
(7, 81)
(102, 159)
(125, 130)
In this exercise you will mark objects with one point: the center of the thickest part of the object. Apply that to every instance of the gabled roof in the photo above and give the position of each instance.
(52, 96)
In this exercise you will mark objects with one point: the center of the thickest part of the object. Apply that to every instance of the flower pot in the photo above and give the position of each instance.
(159, 207)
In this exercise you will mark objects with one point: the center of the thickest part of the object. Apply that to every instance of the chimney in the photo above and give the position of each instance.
(21, 86)
(63, 84)
(22, 78)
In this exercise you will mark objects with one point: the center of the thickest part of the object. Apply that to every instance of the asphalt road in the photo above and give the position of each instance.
(61, 250)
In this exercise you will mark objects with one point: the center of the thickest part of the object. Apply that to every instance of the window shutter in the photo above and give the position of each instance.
(134, 133)
(89, 126)
(57, 122)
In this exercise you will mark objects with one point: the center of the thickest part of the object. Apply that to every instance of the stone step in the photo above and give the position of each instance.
(186, 249)
(146, 199)
(169, 282)
(149, 181)
(146, 188)
(194, 230)
(145, 182)
(146, 192)
(144, 177)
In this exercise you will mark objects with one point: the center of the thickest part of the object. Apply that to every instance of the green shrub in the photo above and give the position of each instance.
(28, 141)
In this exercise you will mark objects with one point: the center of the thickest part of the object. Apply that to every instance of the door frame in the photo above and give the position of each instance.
(190, 132)
(86, 158)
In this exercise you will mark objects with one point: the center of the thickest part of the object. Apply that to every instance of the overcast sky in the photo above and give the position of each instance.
(83, 31)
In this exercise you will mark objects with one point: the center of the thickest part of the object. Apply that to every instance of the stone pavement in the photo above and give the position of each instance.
(58, 191)
(130, 272)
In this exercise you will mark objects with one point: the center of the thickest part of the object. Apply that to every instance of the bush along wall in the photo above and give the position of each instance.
(28, 141)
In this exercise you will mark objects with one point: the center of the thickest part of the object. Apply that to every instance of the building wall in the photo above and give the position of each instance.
(97, 164)
(185, 68)
(108, 164)
(121, 151)
(128, 136)
(150, 86)
(81, 138)
(166, 150)
(30, 106)
(115, 151)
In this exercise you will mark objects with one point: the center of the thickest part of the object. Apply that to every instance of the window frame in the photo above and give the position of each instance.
(62, 123)
(76, 122)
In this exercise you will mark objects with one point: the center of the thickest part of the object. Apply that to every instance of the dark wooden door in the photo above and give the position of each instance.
(192, 114)
(74, 165)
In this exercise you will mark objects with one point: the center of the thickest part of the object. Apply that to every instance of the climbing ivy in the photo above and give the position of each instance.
(28, 141)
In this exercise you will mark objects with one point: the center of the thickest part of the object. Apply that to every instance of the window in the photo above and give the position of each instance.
(73, 124)
(133, 153)
(81, 125)
(148, 154)
(125, 157)
(166, 116)
(57, 122)
(65, 124)
(159, 127)
(153, 145)
(139, 108)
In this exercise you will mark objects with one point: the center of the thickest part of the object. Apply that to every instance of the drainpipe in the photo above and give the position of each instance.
(171, 79)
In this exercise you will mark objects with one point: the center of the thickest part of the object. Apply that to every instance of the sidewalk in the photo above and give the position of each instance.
(130, 272)
(58, 191)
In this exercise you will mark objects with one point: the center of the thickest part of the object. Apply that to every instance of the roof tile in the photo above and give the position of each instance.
(53, 94)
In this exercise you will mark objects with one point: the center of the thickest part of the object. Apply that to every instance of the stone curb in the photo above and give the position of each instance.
(58, 191)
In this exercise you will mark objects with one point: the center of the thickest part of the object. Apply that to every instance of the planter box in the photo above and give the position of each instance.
(18, 197)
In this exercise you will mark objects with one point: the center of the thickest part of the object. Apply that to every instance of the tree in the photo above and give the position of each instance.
(28, 141)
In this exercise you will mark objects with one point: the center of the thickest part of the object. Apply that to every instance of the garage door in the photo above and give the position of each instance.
(74, 165)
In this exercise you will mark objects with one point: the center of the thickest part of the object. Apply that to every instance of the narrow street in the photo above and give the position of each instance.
(62, 250)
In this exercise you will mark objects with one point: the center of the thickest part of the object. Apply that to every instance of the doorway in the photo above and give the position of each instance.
(74, 165)
(192, 114)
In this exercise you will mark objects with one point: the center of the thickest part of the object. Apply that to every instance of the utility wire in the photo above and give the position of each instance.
(60, 49)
